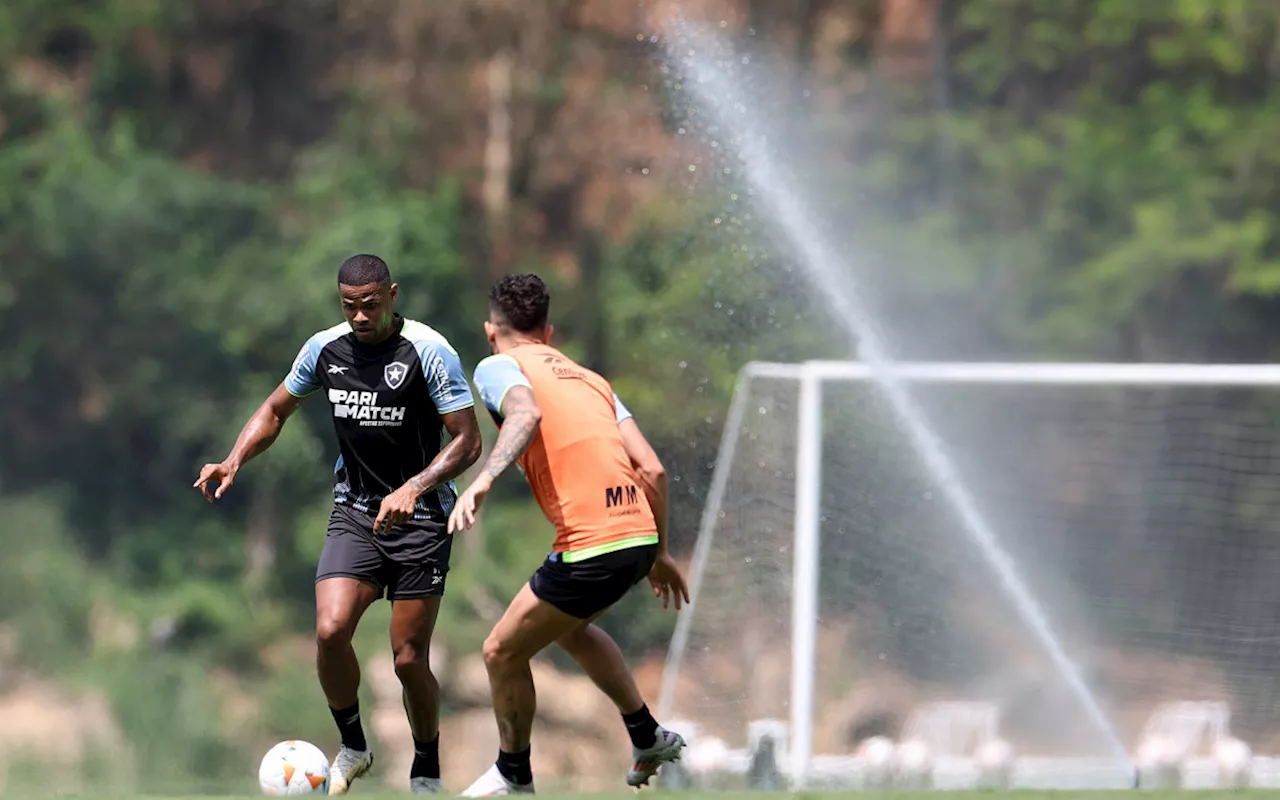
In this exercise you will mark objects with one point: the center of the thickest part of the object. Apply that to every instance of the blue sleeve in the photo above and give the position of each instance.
(494, 378)
(446, 380)
(622, 411)
(301, 380)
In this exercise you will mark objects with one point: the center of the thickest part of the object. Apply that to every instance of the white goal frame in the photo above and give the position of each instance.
(811, 376)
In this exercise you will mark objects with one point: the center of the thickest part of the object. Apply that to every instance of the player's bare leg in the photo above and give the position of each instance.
(340, 602)
(599, 656)
(528, 626)
(412, 624)
(602, 661)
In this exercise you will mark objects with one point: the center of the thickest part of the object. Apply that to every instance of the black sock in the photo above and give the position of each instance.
(515, 766)
(349, 727)
(642, 728)
(426, 758)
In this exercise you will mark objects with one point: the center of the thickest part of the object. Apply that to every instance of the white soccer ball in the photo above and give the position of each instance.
(294, 767)
(1160, 763)
(1235, 763)
(706, 755)
(995, 763)
(876, 754)
(914, 767)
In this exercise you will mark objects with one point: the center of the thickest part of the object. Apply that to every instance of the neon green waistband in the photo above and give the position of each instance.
(570, 556)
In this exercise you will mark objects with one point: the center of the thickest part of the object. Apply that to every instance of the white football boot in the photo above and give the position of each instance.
(426, 785)
(645, 762)
(493, 783)
(346, 767)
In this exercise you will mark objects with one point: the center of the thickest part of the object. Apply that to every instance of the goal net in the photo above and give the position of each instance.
(1119, 608)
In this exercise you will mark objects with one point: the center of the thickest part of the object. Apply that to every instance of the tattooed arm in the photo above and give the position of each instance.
(520, 420)
(453, 459)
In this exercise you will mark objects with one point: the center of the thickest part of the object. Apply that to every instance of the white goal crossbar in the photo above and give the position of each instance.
(811, 376)
(1028, 373)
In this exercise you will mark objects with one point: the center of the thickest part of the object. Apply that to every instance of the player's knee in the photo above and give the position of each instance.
(333, 632)
(498, 654)
(411, 661)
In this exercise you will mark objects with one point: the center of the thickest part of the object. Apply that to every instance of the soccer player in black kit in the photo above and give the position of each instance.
(393, 384)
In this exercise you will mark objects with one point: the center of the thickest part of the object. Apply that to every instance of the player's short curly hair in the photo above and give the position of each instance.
(522, 300)
(362, 270)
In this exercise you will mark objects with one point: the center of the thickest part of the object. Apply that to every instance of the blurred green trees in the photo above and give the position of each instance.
(177, 186)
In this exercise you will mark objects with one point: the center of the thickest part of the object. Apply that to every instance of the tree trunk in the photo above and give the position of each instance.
(591, 264)
(260, 544)
(496, 190)
(906, 36)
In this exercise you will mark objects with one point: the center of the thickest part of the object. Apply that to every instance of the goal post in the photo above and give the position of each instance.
(805, 575)
(774, 496)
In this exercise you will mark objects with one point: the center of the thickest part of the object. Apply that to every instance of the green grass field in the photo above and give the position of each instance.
(1012, 795)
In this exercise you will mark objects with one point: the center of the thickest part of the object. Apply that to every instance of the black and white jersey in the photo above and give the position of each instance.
(387, 401)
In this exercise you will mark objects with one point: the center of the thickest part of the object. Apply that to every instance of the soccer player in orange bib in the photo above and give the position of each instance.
(599, 482)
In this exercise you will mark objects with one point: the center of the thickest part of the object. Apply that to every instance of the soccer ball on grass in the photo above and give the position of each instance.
(913, 766)
(294, 767)
(877, 756)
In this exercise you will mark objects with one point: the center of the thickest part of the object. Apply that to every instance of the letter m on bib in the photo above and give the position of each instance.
(612, 496)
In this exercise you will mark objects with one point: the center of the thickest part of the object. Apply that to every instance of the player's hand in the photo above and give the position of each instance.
(397, 507)
(667, 582)
(469, 502)
(223, 473)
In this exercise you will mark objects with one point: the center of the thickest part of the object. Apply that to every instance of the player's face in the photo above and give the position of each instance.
(368, 310)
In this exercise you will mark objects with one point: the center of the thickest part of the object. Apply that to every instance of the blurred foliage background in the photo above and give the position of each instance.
(179, 182)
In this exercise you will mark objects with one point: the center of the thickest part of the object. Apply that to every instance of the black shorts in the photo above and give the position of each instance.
(584, 588)
(409, 563)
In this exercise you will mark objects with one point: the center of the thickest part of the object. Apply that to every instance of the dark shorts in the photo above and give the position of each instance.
(582, 589)
(412, 562)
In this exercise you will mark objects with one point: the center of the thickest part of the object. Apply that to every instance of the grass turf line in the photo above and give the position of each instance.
(1131, 794)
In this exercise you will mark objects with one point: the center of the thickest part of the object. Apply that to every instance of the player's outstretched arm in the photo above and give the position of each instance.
(255, 437)
(453, 459)
(664, 577)
(520, 420)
